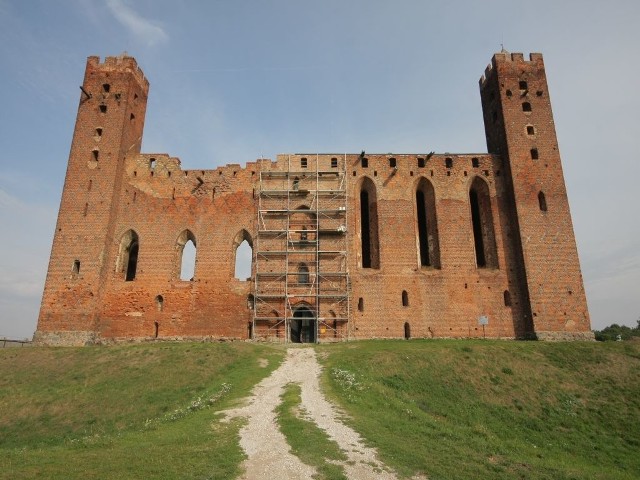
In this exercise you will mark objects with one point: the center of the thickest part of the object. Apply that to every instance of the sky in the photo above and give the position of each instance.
(236, 80)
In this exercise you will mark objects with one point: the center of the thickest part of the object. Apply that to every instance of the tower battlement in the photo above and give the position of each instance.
(511, 58)
(121, 63)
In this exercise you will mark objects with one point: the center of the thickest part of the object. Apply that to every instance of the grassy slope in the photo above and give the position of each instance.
(125, 411)
(493, 409)
(450, 409)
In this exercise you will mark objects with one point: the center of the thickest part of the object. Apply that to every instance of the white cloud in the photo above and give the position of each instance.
(142, 28)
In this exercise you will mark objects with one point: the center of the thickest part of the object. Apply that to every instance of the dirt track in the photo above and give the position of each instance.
(269, 455)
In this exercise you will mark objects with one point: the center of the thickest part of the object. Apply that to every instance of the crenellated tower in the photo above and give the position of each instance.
(519, 127)
(109, 126)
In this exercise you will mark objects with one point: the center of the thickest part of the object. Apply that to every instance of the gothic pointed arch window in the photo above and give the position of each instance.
(369, 241)
(242, 255)
(186, 256)
(482, 224)
(127, 261)
(427, 223)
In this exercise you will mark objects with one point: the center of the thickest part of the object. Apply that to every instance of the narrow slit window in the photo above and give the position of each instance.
(361, 304)
(370, 247)
(507, 298)
(405, 298)
(95, 154)
(542, 201)
(303, 274)
(76, 266)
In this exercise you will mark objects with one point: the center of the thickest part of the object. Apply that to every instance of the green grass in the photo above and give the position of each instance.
(130, 411)
(493, 409)
(308, 442)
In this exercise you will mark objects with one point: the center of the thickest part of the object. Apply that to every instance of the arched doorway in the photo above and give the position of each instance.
(303, 325)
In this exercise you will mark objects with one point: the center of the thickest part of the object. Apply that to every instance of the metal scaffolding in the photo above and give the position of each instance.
(301, 279)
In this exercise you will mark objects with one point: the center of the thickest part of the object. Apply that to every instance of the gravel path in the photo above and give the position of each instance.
(269, 455)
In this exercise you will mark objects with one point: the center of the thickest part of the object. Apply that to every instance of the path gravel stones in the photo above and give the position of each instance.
(269, 455)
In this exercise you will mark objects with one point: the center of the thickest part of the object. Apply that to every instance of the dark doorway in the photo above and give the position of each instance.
(303, 326)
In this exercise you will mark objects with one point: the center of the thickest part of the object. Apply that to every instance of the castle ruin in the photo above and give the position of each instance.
(344, 246)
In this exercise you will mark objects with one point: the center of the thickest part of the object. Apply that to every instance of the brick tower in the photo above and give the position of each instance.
(520, 129)
(108, 126)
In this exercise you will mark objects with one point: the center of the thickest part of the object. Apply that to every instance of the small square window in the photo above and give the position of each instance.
(531, 130)
(522, 84)
(103, 109)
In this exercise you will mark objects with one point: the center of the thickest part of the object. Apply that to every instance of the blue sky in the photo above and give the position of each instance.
(235, 80)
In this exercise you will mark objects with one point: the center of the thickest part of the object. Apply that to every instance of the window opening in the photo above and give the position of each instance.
(250, 301)
(243, 251)
(405, 298)
(156, 328)
(186, 256)
(364, 161)
(475, 163)
(369, 225)
(303, 274)
(522, 85)
(76, 266)
(407, 331)
(334, 163)
(526, 107)
(85, 210)
(90, 185)
(421, 162)
(106, 87)
(132, 117)
(303, 162)
(159, 303)
(103, 109)
(507, 298)
(542, 201)
(296, 184)
(448, 162)
(95, 154)
(530, 130)
(127, 263)
(482, 224)
(98, 132)
(393, 163)
(509, 93)
(428, 242)
(534, 154)
(361, 304)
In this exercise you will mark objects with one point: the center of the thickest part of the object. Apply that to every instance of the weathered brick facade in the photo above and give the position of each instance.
(432, 242)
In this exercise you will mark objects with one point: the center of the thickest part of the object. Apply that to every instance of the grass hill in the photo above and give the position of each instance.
(442, 408)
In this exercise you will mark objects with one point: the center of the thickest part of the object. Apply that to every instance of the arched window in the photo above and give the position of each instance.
(127, 261)
(370, 247)
(405, 298)
(186, 256)
(303, 274)
(482, 222)
(542, 201)
(428, 242)
(243, 255)
(159, 303)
